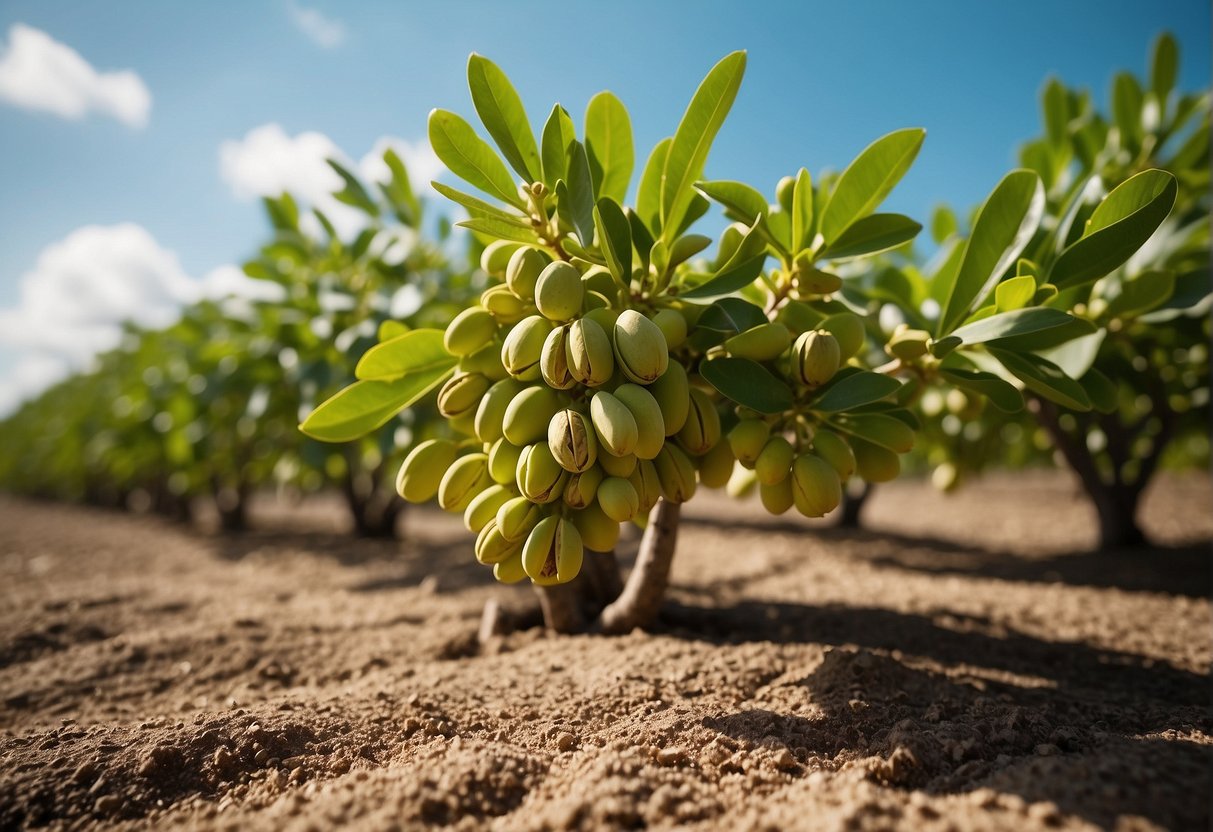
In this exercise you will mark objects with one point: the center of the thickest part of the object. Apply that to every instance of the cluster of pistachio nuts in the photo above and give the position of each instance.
(579, 421)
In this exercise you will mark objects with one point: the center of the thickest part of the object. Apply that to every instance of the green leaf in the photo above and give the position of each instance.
(1001, 394)
(1127, 101)
(399, 190)
(1143, 293)
(1120, 225)
(688, 152)
(732, 278)
(580, 186)
(497, 229)
(478, 208)
(880, 429)
(1044, 378)
(470, 158)
(1100, 390)
(731, 315)
(614, 239)
(365, 406)
(802, 212)
(869, 179)
(872, 234)
(390, 329)
(499, 107)
(608, 141)
(418, 350)
(741, 202)
(856, 390)
(353, 193)
(1021, 323)
(1003, 227)
(1015, 293)
(748, 383)
(1164, 66)
(648, 196)
(558, 134)
(1056, 112)
(686, 247)
(1076, 357)
(943, 224)
(642, 240)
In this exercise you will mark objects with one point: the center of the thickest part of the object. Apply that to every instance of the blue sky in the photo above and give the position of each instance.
(823, 80)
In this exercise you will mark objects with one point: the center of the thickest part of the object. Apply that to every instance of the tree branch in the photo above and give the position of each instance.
(637, 605)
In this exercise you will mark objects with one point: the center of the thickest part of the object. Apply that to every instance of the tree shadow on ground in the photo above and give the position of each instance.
(1174, 570)
(953, 710)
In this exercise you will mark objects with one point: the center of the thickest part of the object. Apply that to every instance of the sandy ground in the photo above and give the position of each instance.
(962, 664)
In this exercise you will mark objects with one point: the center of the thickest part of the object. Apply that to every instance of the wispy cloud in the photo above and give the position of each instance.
(325, 32)
(38, 72)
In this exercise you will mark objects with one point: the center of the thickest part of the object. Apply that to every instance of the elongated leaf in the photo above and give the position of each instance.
(1020, 323)
(868, 179)
(558, 134)
(497, 229)
(353, 193)
(499, 107)
(478, 208)
(943, 224)
(1127, 100)
(872, 234)
(642, 239)
(1044, 378)
(615, 239)
(741, 202)
(1120, 225)
(648, 197)
(731, 279)
(415, 351)
(802, 212)
(608, 143)
(1005, 224)
(581, 194)
(1001, 394)
(748, 383)
(1164, 66)
(729, 315)
(1076, 357)
(689, 150)
(856, 390)
(399, 190)
(1101, 390)
(880, 429)
(470, 158)
(1056, 107)
(1143, 293)
(1015, 293)
(365, 406)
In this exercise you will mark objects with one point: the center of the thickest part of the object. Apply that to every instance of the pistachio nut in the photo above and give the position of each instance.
(747, 438)
(571, 440)
(470, 330)
(523, 347)
(618, 499)
(702, 428)
(528, 414)
(874, 463)
(775, 461)
(490, 415)
(486, 361)
(640, 348)
(510, 571)
(908, 344)
(540, 477)
(834, 449)
(583, 487)
(672, 325)
(461, 394)
(816, 489)
(553, 552)
(467, 477)
(523, 271)
(496, 257)
(615, 466)
(650, 424)
(590, 359)
(422, 470)
(517, 516)
(673, 394)
(492, 547)
(647, 484)
(716, 466)
(504, 305)
(776, 498)
(503, 461)
(816, 358)
(554, 363)
(676, 474)
(847, 327)
(599, 533)
(614, 424)
(559, 292)
(484, 505)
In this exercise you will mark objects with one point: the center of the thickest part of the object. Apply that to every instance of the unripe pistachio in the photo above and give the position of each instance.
(815, 358)
(528, 414)
(775, 461)
(486, 361)
(650, 425)
(503, 461)
(553, 552)
(523, 347)
(776, 498)
(540, 477)
(847, 327)
(523, 271)
(483, 507)
(558, 292)
(423, 468)
(616, 466)
(490, 415)
(614, 423)
(571, 440)
(599, 533)
(816, 490)
(496, 256)
(747, 439)
(945, 477)
(647, 484)
(467, 477)
(874, 463)
(590, 358)
(470, 330)
(741, 484)
(461, 394)
(553, 363)
(583, 487)
(510, 571)
(504, 305)
(673, 394)
(640, 348)
(676, 474)
(605, 318)
(672, 325)
(702, 428)
(764, 342)
(492, 547)
(716, 466)
(834, 449)
(618, 499)
(599, 280)
(464, 423)
(516, 517)
(908, 344)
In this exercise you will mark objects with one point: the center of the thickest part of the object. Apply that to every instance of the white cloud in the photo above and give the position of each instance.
(325, 32)
(82, 288)
(268, 161)
(38, 72)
